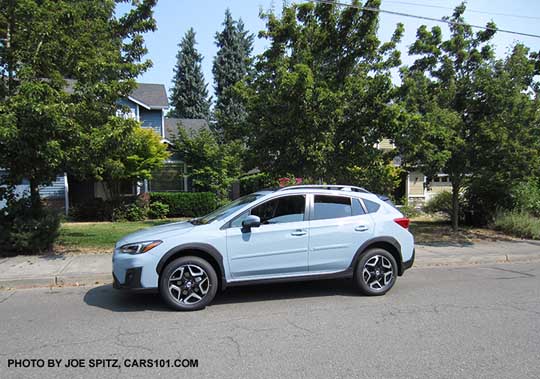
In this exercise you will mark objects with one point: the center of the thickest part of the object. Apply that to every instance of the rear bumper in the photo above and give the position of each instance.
(408, 264)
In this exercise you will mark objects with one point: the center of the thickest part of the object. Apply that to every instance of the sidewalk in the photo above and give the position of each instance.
(90, 269)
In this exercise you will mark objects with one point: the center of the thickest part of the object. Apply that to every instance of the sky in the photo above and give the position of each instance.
(175, 17)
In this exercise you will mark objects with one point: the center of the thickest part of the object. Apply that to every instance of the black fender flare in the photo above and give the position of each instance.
(206, 248)
(379, 240)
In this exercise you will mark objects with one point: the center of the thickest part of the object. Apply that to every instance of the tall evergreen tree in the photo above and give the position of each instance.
(231, 65)
(189, 97)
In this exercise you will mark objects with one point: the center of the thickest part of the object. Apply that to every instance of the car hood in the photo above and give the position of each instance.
(159, 232)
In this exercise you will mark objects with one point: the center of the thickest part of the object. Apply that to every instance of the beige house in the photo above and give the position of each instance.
(416, 189)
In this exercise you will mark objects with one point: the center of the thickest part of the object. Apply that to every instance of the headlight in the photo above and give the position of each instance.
(139, 247)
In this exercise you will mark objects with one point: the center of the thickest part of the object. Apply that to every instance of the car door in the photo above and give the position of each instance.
(279, 246)
(338, 227)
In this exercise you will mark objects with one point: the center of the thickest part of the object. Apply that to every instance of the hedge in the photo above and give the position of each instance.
(186, 204)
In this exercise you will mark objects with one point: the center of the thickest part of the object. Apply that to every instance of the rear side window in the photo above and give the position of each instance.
(327, 207)
(357, 208)
(371, 206)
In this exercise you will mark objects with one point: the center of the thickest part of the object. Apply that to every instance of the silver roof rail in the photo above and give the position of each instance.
(336, 187)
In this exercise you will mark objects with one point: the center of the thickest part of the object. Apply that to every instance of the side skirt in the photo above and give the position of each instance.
(348, 273)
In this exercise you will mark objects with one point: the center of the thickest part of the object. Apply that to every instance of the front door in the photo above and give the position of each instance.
(278, 247)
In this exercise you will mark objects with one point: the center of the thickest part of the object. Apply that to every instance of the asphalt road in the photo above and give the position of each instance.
(471, 322)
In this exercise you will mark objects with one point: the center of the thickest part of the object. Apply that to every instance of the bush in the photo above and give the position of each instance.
(135, 211)
(186, 204)
(526, 198)
(93, 210)
(518, 223)
(158, 210)
(26, 229)
(255, 182)
(409, 211)
(442, 203)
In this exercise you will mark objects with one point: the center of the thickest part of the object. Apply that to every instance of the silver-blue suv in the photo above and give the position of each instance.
(294, 233)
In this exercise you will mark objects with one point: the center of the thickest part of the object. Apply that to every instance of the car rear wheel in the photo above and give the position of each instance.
(188, 284)
(376, 272)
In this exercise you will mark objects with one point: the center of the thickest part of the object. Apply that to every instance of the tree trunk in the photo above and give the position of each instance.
(34, 195)
(456, 186)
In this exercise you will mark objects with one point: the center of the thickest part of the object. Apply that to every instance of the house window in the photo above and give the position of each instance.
(436, 179)
(444, 179)
(171, 178)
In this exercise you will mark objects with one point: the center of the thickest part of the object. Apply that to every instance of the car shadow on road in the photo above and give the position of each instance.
(107, 297)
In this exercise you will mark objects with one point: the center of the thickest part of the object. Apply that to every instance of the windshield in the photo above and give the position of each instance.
(226, 210)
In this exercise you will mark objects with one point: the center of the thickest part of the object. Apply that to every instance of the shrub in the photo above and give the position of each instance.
(158, 210)
(27, 229)
(442, 203)
(409, 211)
(255, 182)
(518, 223)
(186, 204)
(93, 210)
(526, 197)
(136, 211)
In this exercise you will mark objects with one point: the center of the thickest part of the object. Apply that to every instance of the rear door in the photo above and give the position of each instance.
(278, 247)
(338, 226)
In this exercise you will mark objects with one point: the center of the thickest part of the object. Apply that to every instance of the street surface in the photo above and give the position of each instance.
(479, 321)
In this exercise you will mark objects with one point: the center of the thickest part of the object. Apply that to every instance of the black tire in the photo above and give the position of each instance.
(191, 287)
(377, 272)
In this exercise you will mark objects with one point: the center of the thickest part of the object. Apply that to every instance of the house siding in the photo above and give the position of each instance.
(133, 108)
(151, 119)
(57, 189)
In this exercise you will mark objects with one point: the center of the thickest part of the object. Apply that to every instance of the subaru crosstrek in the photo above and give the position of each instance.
(295, 233)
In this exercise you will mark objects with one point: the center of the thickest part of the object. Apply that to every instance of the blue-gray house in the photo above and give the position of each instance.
(148, 104)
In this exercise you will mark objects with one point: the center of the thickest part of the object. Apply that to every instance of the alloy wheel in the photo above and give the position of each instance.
(189, 284)
(377, 272)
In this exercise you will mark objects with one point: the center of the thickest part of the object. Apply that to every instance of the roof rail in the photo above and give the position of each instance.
(337, 187)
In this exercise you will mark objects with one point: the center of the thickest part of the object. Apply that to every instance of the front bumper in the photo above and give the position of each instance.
(134, 271)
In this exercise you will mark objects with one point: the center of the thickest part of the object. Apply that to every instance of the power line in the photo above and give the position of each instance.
(449, 22)
(467, 10)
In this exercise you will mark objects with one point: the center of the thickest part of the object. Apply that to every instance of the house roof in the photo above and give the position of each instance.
(172, 126)
(150, 95)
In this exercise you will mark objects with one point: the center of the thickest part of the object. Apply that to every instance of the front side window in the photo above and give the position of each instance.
(327, 207)
(277, 211)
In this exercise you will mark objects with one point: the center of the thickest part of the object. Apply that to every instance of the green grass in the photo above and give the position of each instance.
(99, 236)
(519, 224)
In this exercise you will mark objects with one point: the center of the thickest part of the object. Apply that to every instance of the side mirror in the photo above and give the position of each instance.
(249, 222)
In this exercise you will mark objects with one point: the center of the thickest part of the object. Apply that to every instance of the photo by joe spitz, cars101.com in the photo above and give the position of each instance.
(301, 232)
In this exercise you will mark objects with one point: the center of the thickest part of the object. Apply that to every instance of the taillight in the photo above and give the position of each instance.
(403, 222)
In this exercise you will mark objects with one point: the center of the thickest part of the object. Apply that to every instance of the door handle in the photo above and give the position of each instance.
(361, 228)
(299, 232)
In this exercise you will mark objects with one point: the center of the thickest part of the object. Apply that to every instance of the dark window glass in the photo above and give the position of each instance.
(281, 210)
(326, 207)
(357, 208)
(371, 206)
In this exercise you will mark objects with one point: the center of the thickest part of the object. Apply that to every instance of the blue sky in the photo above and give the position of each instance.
(175, 17)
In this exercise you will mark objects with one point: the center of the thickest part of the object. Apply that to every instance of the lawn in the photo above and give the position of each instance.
(98, 236)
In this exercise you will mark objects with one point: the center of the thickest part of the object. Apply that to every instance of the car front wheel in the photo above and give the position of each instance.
(188, 283)
(376, 272)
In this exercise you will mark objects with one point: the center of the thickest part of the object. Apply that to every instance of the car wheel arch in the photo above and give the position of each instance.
(389, 244)
(204, 251)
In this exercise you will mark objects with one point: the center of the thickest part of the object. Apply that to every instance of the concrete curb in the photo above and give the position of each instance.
(57, 281)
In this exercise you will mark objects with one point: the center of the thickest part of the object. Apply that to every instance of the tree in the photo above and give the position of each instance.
(321, 97)
(189, 96)
(213, 165)
(506, 148)
(46, 123)
(438, 96)
(232, 64)
(138, 152)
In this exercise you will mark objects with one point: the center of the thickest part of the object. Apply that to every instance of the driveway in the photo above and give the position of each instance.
(479, 321)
